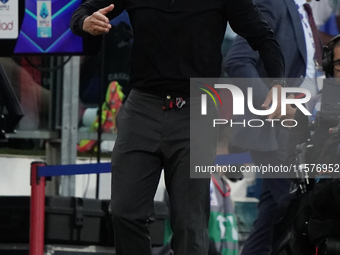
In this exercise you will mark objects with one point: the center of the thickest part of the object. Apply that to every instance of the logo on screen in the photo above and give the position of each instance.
(6, 26)
(44, 11)
(4, 1)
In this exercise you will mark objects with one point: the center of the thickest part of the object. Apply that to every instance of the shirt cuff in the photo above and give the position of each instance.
(281, 82)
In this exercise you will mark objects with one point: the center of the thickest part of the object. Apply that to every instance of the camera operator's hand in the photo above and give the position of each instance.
(98, 23)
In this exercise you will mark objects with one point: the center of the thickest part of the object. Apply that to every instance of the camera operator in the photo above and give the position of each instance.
(301, 133)
(306, 220)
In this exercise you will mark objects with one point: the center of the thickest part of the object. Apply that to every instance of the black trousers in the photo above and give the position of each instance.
(149, 139)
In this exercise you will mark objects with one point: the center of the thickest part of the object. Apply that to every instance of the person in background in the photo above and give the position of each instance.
(327, 18)
(296, 32)
(301, 133)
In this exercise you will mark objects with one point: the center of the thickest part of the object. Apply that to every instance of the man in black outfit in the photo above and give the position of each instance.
(174, 40)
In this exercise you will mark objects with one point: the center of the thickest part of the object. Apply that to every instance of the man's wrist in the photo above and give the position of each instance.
(82, 20)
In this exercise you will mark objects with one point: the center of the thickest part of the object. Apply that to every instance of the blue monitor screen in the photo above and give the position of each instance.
(45, 28)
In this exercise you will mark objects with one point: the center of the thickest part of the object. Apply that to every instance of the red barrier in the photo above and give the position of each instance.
(37, 216)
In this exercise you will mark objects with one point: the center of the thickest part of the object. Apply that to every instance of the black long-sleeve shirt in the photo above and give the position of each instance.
(175, 40)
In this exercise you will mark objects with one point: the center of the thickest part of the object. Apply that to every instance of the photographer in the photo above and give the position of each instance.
(306, 220)
(301, 133)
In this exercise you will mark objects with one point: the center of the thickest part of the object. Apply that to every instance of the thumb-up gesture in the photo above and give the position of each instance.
(98, 23)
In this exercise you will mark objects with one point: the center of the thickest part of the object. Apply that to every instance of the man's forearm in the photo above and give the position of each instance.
(88, 8)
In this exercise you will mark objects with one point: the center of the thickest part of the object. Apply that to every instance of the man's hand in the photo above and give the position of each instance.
(98, 23)
(269, 99)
